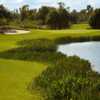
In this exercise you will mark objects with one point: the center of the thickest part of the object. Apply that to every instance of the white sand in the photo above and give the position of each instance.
(17, 32)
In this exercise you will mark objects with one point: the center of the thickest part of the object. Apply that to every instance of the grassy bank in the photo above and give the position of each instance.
(16, 74)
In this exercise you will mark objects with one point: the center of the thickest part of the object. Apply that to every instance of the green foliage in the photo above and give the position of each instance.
(74, 17)
(42, 14)
(76, 39)
(89, 9)
(24, 12)
(38, 50)
(30, 24)
(45, 17)
(3, 22)
(58, 19)
(95, 19)
(4, 12)
(39, 45)
(69, 78)
(52, 19)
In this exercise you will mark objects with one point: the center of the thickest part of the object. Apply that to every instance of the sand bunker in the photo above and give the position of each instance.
(17, 32)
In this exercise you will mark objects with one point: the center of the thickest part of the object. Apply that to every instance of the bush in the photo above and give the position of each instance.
(58, 19)
(41, 50)
(39, 45)
(95, 19)
(28, 24)
(69, 78)
(3, 21)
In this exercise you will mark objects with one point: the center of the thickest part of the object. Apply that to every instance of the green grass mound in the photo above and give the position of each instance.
(33, 50)
(39, 45)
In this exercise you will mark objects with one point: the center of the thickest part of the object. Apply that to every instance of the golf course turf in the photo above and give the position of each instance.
(15, 75)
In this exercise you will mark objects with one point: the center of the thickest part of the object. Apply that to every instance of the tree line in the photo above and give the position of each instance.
(48, 17)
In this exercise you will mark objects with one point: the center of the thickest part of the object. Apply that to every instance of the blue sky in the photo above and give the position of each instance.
(73, 4)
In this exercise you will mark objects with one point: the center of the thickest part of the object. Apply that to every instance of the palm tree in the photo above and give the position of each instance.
(24, 11)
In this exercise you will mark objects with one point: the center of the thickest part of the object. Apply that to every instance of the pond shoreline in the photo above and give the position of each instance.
(88, 50)
(65, 40)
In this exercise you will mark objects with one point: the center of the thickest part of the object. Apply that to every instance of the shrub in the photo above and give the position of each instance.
(42, 50)
(69, 78)
(95, 19)
(58, 19)
(39, 45)
(3, 21)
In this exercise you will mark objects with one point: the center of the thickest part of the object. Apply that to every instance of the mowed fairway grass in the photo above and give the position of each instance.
(15, 75)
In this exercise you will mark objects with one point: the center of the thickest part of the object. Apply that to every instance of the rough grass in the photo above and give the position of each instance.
(15, 75)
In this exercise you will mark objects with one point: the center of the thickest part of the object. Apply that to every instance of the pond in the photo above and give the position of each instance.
(86, 50)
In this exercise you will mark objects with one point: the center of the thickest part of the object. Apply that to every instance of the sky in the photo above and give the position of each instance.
(73, 4)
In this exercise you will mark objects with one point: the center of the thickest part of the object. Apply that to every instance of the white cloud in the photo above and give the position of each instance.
(19, 1)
